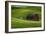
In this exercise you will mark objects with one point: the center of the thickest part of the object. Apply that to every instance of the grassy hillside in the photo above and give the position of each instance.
(19, 14)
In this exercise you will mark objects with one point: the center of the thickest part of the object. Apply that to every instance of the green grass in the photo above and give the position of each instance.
(18, 23)
(19, 14)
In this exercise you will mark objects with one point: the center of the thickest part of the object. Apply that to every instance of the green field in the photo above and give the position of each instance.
(19, 14)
